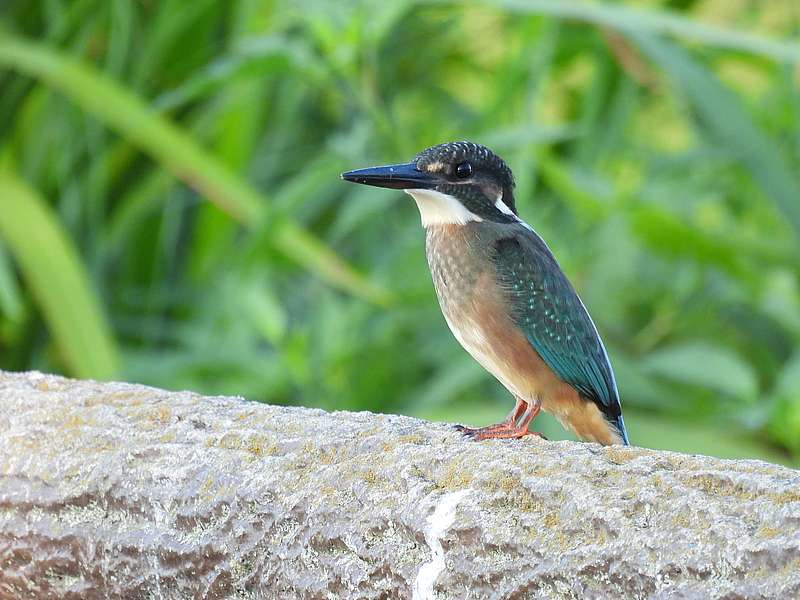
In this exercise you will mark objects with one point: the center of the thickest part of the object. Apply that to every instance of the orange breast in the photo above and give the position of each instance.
(479, 316)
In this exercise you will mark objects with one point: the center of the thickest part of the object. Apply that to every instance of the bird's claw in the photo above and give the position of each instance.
(499, 431)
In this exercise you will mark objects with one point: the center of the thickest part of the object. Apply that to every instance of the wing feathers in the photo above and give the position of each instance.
(555, 320)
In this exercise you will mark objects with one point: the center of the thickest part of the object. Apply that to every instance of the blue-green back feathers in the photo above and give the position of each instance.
(555, 321)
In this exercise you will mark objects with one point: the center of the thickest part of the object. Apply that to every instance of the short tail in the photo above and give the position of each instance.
(619, 423)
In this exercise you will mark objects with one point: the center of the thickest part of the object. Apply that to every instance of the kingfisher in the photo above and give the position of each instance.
(504, 296)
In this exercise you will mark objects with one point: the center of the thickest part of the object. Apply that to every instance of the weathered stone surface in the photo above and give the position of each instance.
(123, 491)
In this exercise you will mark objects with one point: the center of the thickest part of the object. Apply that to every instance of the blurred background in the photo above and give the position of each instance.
(171, 211)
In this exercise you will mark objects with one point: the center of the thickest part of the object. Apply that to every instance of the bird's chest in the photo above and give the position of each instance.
(456, 267)
(472, 302)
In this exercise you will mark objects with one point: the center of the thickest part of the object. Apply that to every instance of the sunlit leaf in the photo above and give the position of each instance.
(53, 270)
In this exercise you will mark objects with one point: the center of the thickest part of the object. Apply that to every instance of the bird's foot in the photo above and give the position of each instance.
(501, 431)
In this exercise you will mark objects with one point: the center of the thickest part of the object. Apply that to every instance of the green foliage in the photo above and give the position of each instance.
(176, 152)
(56, 278)
(174, 166)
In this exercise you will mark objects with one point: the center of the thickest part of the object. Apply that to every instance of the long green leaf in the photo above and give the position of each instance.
(54, 272)
(177, 152)
(631, 20)
(730, 124)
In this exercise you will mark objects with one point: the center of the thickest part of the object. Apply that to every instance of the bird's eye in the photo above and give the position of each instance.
(464, 170)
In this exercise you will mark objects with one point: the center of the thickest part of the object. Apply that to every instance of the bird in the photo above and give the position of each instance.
(503, 294)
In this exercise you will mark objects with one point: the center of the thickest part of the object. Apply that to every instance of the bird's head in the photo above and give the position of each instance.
(452, 183)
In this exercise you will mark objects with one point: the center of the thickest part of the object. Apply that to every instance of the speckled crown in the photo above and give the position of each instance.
(453, 153)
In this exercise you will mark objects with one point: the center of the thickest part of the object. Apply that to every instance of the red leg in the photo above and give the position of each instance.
(530, 414)
(509, 423)
(508, 428)
(516, 412)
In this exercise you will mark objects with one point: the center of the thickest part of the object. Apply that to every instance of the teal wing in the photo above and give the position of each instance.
(555, 321)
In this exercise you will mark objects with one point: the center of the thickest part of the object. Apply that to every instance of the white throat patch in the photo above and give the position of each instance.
(436, 208)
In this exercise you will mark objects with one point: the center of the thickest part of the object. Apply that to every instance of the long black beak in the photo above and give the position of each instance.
(399, 177)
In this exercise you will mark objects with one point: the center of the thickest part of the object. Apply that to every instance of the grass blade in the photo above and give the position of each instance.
(644, 22)
(730, 124)
(59, 283)
(177, 152)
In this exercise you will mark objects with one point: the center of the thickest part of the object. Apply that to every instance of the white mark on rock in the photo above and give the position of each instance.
(438, 523)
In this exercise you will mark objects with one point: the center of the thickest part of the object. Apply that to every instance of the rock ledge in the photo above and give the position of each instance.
(112, 490)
